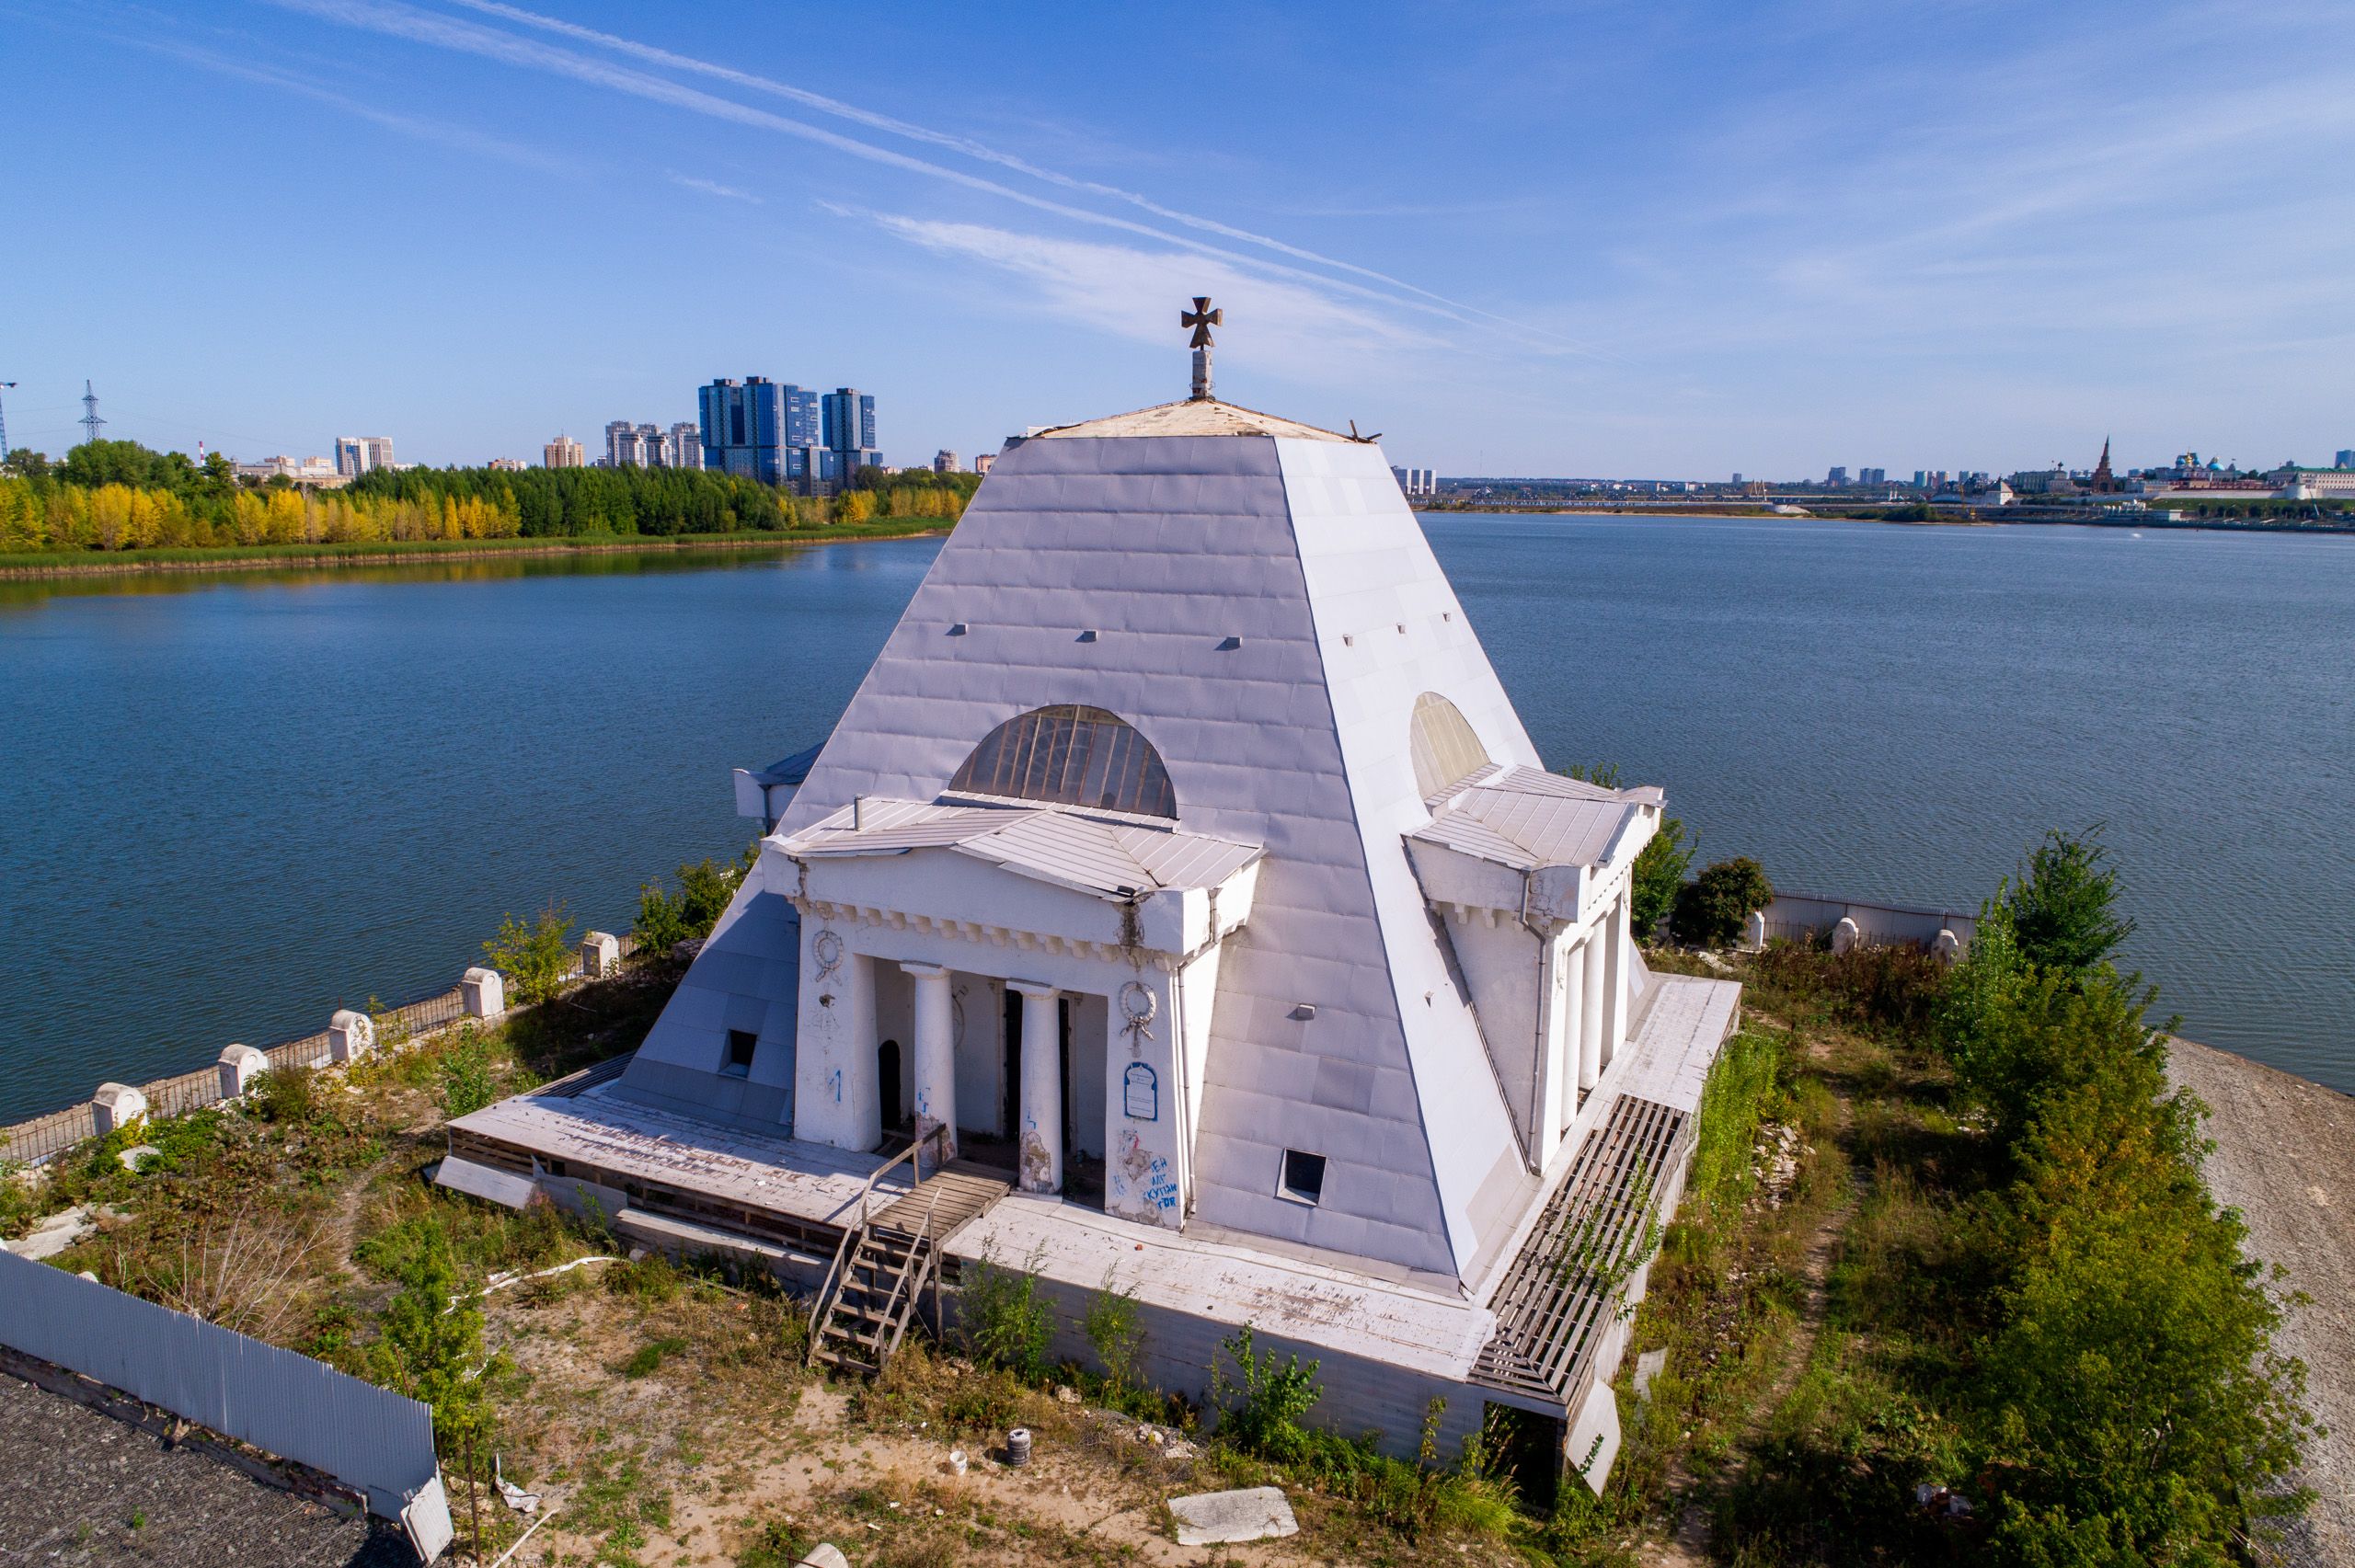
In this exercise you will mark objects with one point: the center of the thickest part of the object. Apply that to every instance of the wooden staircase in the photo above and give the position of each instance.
(887, 1259)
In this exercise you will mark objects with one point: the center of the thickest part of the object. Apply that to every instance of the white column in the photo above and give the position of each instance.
(1598, 978)
(936, 1057)
(1615, 995)
(1040, 1136)
(1573, 1003)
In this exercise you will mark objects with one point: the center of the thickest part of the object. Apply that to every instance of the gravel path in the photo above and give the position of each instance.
(2285, 1157)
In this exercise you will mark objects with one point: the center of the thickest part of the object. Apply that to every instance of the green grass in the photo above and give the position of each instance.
(337, 555)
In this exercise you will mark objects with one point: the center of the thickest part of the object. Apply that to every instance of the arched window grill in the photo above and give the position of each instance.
(1070, 755)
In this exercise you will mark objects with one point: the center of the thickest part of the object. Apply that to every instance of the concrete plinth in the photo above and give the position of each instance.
(350, 1035)
(240, 1065)
(116, 1107)
(600, 955)
(485, 992)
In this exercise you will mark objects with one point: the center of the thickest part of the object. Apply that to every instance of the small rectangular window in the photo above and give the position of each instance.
(741, 1045)
(1303, 1177)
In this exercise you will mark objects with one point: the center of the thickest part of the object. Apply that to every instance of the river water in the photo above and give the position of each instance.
(229, 806)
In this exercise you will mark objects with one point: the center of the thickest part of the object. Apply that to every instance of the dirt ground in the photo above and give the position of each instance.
(2285, 1157)
(727, 1445)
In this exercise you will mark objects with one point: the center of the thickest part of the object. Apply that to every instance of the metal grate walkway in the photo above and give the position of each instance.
(1563, 1292)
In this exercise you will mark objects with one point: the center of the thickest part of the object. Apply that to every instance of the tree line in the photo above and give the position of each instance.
(114, 496)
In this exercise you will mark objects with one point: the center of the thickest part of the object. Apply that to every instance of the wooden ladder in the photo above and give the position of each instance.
(863, 1319)
(880, 1271)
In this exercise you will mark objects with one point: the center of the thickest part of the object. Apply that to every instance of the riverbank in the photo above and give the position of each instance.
(2285, 1156)
(2009, 517)
(281, 557)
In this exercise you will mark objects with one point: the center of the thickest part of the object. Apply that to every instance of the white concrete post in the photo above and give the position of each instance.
(350, 1035)
(1592, 1020)
(936, 1056)
(116, 1107)
(1947, 946)
(1573, 1001)
(1041, 1133)
(1753, 933)
(485, 992)
(1546, 1138)
(1845, 935)
(1614, 1024)
(600, 955)
(240, 1065)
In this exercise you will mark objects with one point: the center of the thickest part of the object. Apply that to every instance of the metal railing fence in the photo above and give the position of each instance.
(53, 1132)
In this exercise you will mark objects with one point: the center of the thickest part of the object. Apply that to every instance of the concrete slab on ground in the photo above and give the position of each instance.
(1216, 1518)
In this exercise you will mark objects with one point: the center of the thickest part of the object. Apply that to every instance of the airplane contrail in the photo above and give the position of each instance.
(949, 142)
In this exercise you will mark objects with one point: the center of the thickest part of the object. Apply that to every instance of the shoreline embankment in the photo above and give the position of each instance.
(2285, 1156)
(271, 558)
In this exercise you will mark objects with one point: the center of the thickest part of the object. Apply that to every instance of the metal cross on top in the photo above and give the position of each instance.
(1201, 318)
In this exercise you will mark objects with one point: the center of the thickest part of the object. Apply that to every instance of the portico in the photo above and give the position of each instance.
(1044, 973)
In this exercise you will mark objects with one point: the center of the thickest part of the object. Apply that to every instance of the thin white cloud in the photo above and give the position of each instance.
(710, 186)
(949, 142)
(395, 19)
(1300, 333)
(459, 137)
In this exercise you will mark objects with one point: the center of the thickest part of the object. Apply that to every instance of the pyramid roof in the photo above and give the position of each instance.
(1267, 612)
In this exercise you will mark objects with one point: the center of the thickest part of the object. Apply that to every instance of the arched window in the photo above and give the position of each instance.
(1070, 756)
(1444, 748)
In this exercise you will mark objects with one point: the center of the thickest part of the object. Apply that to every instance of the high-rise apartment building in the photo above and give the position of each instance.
(625, 446)
(2345, 458)
(944, 462)
(682, 448)
(1872, 476)
(355, 455)
(761, 429)
(563, 452)
(507, 465)
(1839, 475)
(981, 463)
(849, 434)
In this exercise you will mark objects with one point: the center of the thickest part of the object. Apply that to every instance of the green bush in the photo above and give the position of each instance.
(1114, 1327)
(285, 1095)
(468, 1073)
(1002, 1320)
(1711, 909)
(537, 957)
(664, 919)
(1261, 1415)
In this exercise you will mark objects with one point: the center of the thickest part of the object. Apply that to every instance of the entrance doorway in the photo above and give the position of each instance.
(886, 1079)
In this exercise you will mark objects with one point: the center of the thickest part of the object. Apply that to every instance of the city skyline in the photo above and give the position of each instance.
(1613, 241)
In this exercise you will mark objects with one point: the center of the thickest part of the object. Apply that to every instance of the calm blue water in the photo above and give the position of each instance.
(228, 806)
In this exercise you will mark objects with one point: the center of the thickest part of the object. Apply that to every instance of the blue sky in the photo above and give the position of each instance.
(1642, 239)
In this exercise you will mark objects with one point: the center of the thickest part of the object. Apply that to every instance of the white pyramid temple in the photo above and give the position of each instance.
(1181, 883)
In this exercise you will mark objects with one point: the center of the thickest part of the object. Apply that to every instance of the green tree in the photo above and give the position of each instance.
(538, 957)
(1710, 909)
(430, 1342)
(2063, 908)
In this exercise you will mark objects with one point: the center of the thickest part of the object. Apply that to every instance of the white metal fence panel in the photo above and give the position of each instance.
(373, 1440)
